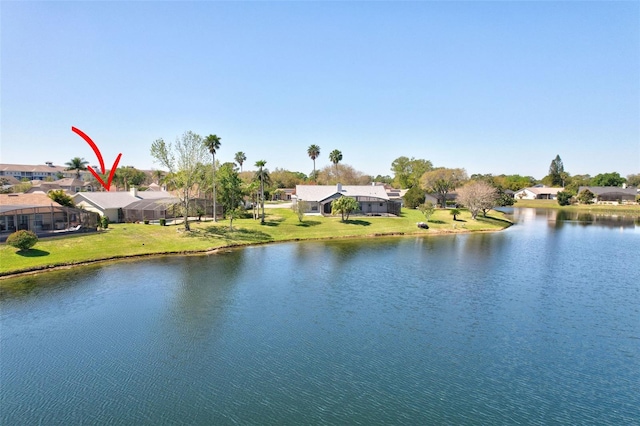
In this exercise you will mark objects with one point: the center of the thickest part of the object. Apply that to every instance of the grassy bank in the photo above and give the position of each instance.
(127, 240)
(625, 209)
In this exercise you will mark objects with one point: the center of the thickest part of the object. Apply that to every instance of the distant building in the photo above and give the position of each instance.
(40, 172)
(537, 193)
(372, 199)
(612, 194)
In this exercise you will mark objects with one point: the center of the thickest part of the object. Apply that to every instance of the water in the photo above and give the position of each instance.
(539, 324)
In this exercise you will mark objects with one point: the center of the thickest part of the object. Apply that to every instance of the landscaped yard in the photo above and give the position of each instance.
(123, 240)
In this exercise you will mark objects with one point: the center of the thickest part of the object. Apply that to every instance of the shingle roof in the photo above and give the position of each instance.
(30, 200)
(106, 200)
(600, 190)
(322, 192)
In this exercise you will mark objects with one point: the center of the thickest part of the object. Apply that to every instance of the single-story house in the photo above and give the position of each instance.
(114, 205)
(434, 198)
(372, 199)
(283, 194)
(537, 193)
(612, 194)
(40, 214)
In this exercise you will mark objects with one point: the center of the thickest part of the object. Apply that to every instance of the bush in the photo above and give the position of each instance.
(564, 198)
(146, 221)
(163, 222)
(22, 240)
(104, 221)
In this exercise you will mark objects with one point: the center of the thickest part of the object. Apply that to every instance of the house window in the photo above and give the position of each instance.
(380, 204)
(314, 208)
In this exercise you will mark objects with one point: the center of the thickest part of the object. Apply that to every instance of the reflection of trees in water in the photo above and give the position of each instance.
(589, 219)
(205, 291)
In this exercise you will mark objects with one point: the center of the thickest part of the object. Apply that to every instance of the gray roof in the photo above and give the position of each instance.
(106, 200)
(600, 190)
(322, 192)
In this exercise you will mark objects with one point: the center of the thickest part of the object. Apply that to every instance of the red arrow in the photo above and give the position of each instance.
(93, 146)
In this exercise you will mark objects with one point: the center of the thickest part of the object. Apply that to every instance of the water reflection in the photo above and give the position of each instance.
(557, 219)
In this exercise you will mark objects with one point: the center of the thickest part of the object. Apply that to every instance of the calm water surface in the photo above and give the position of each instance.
(539, 324)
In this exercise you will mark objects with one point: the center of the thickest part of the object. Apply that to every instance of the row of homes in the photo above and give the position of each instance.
(603, 194)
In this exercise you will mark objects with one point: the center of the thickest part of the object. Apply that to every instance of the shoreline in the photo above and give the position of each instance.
(209, 251)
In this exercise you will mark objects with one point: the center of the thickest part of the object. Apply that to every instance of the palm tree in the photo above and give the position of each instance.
(240, 158)
(212, 142)
(77, 164)
(335, 156)
(158, 175)
(314, 152)
(261, 176)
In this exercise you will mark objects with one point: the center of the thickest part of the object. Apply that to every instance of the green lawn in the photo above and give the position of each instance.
(625, 209)
(124, 240)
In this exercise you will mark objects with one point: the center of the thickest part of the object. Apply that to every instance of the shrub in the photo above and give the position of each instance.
(104, 221)
(586, 196)
(163, 222)
(22, 240)
(564, 198)
(146, 221)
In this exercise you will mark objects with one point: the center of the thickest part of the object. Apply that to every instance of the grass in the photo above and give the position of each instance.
(127, 240)
(624, 209)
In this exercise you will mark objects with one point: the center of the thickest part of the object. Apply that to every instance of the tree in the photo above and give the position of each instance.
(300, 207)
(633, 180)
(182, 159)
(441, 181)
(314, 152)
(344, 206)
(262, 178)
(477, 196)
(414, 197)
(345, 175)
(61, 197)
(335, 156)
(555, 171)
(212, 142)
(608, 179)
(77, 164)
(129, 175)
(504, 199)
(231, 191)
(564, 198)
(158, 176)
(407, 172)
(586, 197)
(427, 209)
(22, 240)
(240, 158)
(455, 213)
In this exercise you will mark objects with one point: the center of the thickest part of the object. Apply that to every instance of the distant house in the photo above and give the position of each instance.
(537, 193)
(283, 194)
(38, 213)
(121, 206)
(372, 199)
(612, 194)
(434, 199)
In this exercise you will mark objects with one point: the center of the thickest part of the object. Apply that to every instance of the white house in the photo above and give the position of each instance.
(113, 204)
(535, 193)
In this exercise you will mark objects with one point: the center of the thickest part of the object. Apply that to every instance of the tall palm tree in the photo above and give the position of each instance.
(314, 152)
(158, 176)
(261, 176)
(335, 156)
(77, 164)
(240, 158)
(212, 142)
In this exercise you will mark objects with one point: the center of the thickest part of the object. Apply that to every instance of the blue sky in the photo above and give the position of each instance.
(494, 87)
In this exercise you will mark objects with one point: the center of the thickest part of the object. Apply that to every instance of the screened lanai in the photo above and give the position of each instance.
(45, 220)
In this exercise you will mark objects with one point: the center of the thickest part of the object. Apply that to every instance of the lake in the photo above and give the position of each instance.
(538, 324)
